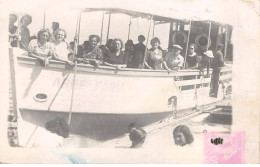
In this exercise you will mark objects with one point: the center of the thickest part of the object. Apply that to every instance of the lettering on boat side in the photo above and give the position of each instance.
(96, 84)
(229, 152)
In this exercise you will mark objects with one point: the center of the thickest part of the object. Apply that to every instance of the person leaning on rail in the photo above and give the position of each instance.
(41, 48)
(14, 37)
(117, 58)
(154, 56)
(24, 31)
(192, 57)
(93, 54)
(62, 49)
(173, 60)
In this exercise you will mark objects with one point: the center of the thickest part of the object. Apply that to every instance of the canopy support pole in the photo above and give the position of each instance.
(148, 35)
(108, 25)
(102, 25)
(153, 27)
(44, 18)
(129, 27)
(209, 34)
(187, 45)
(19, 28)
(225, 51)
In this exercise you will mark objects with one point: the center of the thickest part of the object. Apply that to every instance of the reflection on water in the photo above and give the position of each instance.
(162, 131)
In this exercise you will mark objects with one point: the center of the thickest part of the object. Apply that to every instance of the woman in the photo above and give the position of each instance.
(136, 135)
(154, 57)
(93, 54)
(173, 59)
(106, 49)
(117, 58)
(62, 49)
(13, 35)
(182, 135)
(192, 57)
(40, 48)
(25, 32)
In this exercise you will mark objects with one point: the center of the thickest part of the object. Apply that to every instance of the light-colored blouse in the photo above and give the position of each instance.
(62, 50)
(173, 61)
(36, 48)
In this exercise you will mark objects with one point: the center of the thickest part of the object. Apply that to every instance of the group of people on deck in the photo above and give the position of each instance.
(48, 46)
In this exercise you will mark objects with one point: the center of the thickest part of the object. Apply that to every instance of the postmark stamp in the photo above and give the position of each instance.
(222, 148)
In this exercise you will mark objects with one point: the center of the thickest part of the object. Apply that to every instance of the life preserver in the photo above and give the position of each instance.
(179, 37)
(201, 41)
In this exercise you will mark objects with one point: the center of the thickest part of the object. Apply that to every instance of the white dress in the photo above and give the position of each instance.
(62, 50)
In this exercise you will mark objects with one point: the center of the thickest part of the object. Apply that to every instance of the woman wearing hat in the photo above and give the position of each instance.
(154, 57)
(173, 60)
(13, 36)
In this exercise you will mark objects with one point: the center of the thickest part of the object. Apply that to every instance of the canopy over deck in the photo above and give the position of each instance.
(218, 11)
(169, 10)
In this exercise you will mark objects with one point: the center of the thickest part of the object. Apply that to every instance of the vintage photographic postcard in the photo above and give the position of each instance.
(172, 81)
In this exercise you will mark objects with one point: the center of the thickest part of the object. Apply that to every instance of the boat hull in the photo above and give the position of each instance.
(95, 126)
(104, 101)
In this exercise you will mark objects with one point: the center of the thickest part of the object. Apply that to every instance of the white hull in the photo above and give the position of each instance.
(105, 100)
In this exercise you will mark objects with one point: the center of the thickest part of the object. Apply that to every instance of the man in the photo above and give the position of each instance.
(218, 62)
(140, 47)
(55, 26)
(192, 57)
(173, 59)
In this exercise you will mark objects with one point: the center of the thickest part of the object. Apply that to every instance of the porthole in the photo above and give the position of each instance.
(41, 97)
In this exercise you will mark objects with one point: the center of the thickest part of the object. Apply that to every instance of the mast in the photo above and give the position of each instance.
(225, 51)
(102, 25)
(108, 25)
(44, 18)
(153, 28)
(75, 67)
(129, 27)
(209, 34)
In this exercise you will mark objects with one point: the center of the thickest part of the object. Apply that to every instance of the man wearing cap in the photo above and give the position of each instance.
(173, 60)
(218, 62)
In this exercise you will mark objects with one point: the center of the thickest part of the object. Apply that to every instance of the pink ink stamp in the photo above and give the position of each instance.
(222, 148)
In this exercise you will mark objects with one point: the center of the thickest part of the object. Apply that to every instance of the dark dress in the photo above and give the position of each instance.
(11, 39)
(121, 59)
(140, 47)
(192, 60)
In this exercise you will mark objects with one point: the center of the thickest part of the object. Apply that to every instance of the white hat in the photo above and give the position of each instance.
(209, 53)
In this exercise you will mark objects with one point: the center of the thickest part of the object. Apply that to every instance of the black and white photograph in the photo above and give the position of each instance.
(130, 81)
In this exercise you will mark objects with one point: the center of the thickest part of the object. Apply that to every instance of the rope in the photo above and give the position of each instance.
(72, 93)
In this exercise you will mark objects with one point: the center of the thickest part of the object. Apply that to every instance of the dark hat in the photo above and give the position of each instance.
(177, 47)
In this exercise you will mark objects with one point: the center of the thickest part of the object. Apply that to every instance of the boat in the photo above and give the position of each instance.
(101, 102)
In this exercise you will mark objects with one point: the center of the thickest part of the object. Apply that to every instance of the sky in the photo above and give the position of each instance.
(91, 23)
